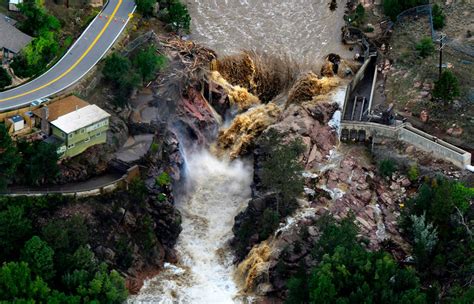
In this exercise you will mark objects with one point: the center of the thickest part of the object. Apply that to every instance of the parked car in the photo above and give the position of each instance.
(39, 101)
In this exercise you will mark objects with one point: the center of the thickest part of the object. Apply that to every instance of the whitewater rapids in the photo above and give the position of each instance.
(219, 189)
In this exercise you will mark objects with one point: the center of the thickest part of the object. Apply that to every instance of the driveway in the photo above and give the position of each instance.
(84, 54)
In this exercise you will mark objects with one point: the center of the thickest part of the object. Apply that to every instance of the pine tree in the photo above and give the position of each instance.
(39, 257)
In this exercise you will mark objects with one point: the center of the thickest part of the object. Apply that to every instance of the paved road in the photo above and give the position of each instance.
(79, 59)
(88, 185)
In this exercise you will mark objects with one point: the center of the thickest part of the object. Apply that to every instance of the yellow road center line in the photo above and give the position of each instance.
(75, 63)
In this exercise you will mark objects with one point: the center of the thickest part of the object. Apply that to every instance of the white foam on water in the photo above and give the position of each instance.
(219, 189)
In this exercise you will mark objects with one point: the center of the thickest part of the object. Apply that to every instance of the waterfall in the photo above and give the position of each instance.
(217, 190)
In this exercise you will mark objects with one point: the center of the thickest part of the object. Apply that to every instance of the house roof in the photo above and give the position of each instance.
(12, 38)
(62, 107)
(79, 119)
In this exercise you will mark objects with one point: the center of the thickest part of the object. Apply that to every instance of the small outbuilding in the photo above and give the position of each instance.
(17, 122)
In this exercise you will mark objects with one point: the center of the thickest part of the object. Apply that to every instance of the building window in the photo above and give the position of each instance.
(83, 130)
(70, 146)
(71, 135)
(87, 139)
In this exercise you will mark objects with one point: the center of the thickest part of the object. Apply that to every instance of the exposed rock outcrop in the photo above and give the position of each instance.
(308, 123)
(348, 187)
(92, 162)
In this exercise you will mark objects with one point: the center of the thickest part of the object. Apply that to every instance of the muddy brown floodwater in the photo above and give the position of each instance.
(305, 30)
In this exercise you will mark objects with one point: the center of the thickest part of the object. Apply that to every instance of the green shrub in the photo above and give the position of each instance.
(138, 189)
(271, 220)
(281, 170)
(360, 12)
(9, 158)
(425, 238)
(39, 257)
(178, 16)
(437, 222)
(34, 58)
(154, 147)
(413, 173)
(118, 71)
(17, 285)
(15, 229)
(438, 17)
(5, 78)
(40, 162)
(145, 7)
(387, 167)
(425, 47)
(83, 259)
(393, 8)
(124, 252)
(163, 179)
(346, 272)
(37, 19)
(447, 87)
(66, 235)
(147, 62)
(147, 234)
(162, 197)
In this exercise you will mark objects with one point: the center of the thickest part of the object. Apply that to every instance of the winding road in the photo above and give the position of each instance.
(83, 55)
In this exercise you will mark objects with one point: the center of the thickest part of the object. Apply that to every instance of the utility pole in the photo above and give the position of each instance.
(441, 46)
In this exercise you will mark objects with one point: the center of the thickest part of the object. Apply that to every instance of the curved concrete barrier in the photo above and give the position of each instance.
(351, 130)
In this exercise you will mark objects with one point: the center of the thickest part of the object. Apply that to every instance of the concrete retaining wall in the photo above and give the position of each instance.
(355, 81)
(121, 183)
(373, 129)
(439, 148)
(409, 134)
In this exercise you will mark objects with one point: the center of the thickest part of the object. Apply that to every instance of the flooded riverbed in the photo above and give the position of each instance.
(305, 30)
